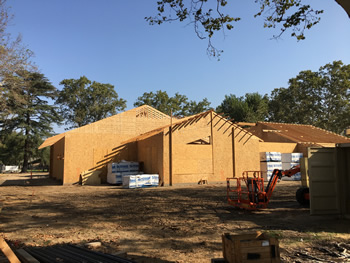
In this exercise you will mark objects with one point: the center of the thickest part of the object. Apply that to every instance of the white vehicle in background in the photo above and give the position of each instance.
(9, 169)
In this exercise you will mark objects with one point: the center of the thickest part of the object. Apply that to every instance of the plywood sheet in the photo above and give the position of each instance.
(150, 153)
(277, 147)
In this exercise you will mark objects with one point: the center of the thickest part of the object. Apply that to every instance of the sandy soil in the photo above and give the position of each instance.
(168, 224)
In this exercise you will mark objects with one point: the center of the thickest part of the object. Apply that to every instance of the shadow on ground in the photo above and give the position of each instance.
(27, 179)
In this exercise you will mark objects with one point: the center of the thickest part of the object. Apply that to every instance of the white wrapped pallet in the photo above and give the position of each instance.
(155, 179)
(150, 180)
(291, 157)
(116, 171)
(270, 157)
(125, 166)
(111, 177)
(140, 180)
(129, 181)
(268, 167)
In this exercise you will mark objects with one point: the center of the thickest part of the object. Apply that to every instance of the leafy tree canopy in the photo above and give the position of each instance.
(83, 101)
(318, 98)
(31, 115)
(11, 150)
(209, 16)
(179, 105)
(251, 108)
(14, 57)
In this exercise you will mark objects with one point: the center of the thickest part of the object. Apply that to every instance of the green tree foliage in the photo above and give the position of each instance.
(41, 157)
(179, 105)
(14, 56)
(31, 116)
(197, 107)
(11, 148)
(44, 155)
(208, 16)
(82, 101)
(251, 108)
(318, 98)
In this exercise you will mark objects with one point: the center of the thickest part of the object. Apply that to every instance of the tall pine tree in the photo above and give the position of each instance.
(31, 115)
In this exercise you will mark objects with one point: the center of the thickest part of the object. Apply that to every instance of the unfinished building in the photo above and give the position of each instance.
(204, 146)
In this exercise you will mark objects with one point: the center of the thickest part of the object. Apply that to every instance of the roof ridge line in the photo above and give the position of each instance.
(286, 123)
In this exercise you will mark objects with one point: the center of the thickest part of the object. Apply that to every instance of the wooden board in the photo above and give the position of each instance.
(257, 247)
(4, 247)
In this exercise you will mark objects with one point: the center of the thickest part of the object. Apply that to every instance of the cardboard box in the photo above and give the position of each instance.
(257, 247)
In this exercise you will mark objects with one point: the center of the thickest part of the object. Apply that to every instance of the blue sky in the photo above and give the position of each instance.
(109, 41)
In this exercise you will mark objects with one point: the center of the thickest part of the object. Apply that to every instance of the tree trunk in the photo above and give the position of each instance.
(345, 4)
(26, 147)
(25, 155)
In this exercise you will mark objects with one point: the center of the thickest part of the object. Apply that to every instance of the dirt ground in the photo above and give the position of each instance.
(165, 224)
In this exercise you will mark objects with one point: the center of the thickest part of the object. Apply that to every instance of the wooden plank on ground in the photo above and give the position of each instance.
(4, 247)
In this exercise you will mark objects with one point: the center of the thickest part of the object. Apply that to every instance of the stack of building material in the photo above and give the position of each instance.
(140, 180)
(290, 160)
(116, 171)
(270, 161)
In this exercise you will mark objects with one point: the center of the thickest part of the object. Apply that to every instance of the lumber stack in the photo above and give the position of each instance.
(116, 171)
(290, 160)
(270, 161)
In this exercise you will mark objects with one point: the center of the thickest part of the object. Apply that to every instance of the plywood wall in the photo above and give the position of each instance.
(222, 148)
(150, 153)
(215, 161)
(57, 157)
(192, 162)
(246, 153)
(166, 158)
(278, 147)
(91, 147)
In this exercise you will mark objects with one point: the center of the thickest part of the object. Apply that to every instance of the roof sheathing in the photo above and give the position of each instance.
(302, 133)
(52, 140)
